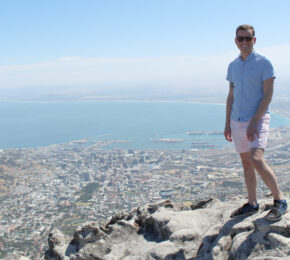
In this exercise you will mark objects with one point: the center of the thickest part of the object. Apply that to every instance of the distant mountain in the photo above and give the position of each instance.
(95, 93)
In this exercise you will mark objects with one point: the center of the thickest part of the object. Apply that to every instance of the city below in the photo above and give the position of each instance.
(68, 184)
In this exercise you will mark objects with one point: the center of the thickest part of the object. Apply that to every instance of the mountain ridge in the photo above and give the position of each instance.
(168, 230)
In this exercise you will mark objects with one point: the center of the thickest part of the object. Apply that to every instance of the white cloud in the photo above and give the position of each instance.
(77, 70)
(68, 58)
(280, 57)
(183, 72)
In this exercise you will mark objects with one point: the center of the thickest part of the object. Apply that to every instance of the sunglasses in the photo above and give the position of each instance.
(247, 38)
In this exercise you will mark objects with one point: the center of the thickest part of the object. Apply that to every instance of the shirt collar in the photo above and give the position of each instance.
(249, 57)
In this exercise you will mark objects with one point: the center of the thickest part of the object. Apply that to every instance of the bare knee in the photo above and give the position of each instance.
(257, 157)
(247, 164)
(246, 161)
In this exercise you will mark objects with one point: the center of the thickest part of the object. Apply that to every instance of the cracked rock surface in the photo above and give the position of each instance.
(168, 231)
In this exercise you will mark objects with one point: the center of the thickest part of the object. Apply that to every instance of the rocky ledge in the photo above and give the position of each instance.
(172, 231)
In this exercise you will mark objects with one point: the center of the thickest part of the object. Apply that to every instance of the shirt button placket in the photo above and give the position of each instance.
(242, 89)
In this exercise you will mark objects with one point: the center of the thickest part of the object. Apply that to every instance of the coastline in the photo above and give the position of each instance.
(114, 101)
(125, 134)
(275, 107)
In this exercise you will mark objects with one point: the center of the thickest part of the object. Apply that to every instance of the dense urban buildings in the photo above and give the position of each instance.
(65, 185)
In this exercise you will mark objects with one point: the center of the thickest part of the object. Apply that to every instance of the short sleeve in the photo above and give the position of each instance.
(229, 74)
(268, 71)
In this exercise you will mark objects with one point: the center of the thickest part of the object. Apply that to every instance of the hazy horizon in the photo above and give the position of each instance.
(133, 48)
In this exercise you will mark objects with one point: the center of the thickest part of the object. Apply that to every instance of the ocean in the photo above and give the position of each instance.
(137, 125)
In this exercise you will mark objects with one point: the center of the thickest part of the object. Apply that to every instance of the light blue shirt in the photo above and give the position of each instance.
(247, 77)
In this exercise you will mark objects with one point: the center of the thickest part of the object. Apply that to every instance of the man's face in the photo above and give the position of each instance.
(245, 41)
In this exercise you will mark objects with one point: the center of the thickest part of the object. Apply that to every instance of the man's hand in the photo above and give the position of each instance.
(252, 131)
(228, 133)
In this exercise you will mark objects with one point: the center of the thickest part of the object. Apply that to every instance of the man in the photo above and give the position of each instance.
(251, 80)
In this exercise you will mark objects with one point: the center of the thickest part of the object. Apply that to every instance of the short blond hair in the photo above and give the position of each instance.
(245, 27)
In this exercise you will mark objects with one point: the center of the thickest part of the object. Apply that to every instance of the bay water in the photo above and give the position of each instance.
(138, 125)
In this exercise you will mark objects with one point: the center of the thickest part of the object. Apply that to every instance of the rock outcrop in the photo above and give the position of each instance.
(15, 256)
(172, 231)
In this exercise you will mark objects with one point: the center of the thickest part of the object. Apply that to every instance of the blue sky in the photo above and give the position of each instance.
(94, 43)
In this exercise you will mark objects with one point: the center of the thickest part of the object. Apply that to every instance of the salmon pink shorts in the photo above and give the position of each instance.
(239, 134)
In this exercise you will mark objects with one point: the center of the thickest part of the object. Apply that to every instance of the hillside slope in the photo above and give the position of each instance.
(174, 231)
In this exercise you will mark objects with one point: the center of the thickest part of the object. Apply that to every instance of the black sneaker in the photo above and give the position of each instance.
(246, 210)
(278, 210)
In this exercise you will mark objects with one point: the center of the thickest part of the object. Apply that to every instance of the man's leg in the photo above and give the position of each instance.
(269, 178)
(266, 173)
(242, 146)
(250, 177)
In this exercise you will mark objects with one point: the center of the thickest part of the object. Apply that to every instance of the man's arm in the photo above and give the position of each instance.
(230, 100)
(252, 130)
